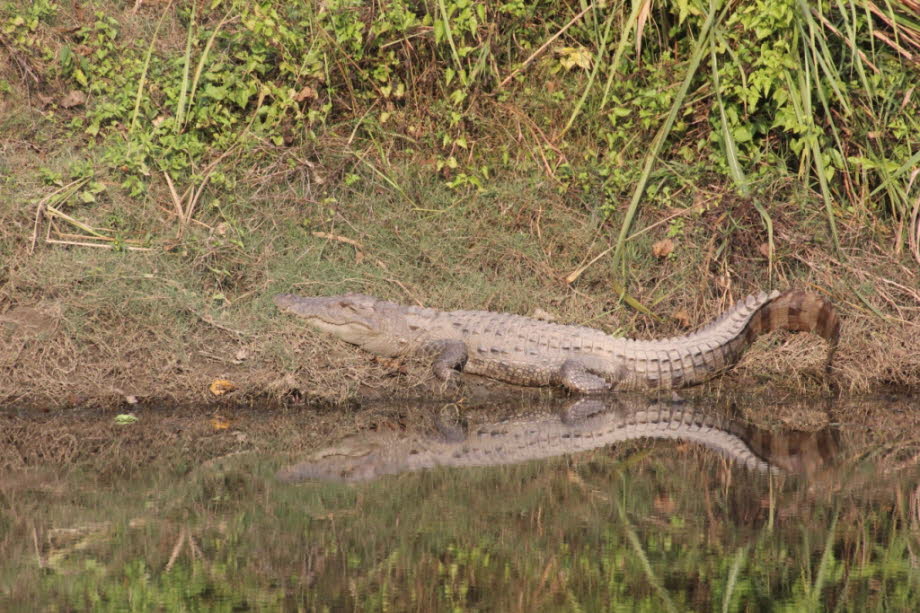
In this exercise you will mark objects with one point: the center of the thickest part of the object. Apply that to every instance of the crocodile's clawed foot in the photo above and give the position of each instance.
(451, 386)
(584, 408)
(574, 376)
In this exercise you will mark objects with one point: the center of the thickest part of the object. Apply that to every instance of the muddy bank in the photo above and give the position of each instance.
(49, 360)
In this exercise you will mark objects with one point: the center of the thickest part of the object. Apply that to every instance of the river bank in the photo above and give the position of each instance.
(86, 327)
(140, 255)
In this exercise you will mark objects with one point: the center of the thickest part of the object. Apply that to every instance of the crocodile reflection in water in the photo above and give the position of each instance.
(586, 424)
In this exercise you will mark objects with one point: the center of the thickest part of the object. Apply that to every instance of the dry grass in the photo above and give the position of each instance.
(162, 326)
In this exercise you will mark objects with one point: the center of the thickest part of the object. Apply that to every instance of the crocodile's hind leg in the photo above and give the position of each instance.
(583, 408)
(574, 376)
(449, 357)
(450, 423)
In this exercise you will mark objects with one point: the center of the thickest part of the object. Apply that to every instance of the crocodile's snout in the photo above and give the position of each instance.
(284, 301)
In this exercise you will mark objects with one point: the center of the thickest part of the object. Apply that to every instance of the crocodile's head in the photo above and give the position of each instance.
(354, 318)
(354, 459)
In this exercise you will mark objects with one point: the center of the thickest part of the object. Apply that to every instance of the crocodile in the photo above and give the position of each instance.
(590, 423)
(531, 352)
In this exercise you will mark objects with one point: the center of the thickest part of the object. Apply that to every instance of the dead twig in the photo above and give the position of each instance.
(575, 274)
(359, 248)
(910, 57)
(185, 206)
(62, 193)
(20, 62)
(91, 238)
(206, 319)
(409, 293)
(98, 245)
(194, 221)
(177, 202)
(827, 24)
(340, 239)
(38, 550)
(535, 130)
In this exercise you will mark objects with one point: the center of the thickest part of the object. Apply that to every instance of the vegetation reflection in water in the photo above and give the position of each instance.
(637, 526)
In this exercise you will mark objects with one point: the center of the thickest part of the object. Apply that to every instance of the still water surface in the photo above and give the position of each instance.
(622, 504)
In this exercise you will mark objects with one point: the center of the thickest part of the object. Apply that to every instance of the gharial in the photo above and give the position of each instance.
(527, 351)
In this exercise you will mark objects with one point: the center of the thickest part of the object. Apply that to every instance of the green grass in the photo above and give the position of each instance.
(797, 88)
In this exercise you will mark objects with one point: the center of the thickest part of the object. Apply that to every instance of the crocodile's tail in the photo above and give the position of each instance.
(797, 310)
(691, 359)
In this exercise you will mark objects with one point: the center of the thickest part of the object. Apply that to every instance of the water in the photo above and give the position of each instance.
(184, 509)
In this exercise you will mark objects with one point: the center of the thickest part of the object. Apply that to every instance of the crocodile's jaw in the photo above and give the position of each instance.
(351, 318)
(351, 332)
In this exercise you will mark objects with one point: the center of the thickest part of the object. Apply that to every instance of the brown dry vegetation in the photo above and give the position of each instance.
(79, 325)
(82, 326)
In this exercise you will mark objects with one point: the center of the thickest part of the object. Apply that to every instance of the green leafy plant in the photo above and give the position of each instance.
(604, 93)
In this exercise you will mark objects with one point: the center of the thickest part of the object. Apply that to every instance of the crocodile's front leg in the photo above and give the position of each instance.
(574, 376)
